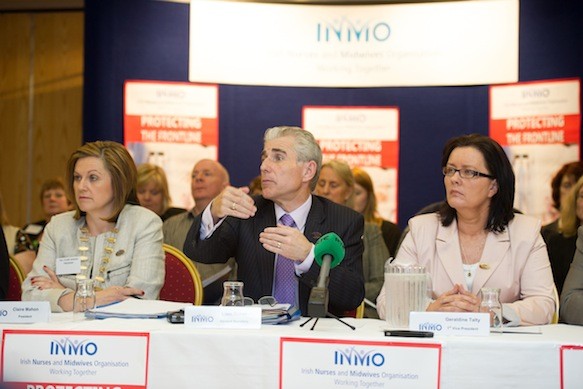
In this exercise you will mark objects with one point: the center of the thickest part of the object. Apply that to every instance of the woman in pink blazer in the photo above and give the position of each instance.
(476, 240)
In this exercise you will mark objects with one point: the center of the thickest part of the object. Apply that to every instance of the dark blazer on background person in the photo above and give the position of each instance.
(571, 306)
(239, 238)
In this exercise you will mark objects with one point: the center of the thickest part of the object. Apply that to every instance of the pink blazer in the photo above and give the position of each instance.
(515, 260)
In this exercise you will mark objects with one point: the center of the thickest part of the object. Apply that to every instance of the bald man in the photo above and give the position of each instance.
(208, 179)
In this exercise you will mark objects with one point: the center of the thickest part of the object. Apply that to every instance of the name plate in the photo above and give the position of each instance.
(24, 311)
(451, 323)
(205, 316)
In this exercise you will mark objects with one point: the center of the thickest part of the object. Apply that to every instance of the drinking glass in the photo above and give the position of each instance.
(232, 294)
(84, 296)
(406, 288)
(491, 304)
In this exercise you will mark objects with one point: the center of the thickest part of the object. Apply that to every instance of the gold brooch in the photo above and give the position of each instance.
(484, 266)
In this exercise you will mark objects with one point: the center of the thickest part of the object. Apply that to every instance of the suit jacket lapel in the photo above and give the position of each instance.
(494, 252)
(448, 250)
(264, 218)
(315, 221)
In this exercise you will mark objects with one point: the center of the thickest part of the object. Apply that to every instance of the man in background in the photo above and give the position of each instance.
(208, 179)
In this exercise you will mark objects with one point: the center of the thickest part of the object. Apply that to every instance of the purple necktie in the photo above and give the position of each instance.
(285, 283)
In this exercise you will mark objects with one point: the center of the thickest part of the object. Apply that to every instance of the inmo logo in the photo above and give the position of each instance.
(3, 312)
(430, 327)
(352, 357)
(202, 319)
(67, 346)
(346, 30)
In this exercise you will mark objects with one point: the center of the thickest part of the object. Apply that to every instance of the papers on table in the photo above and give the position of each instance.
(133, 308)
(278, 314)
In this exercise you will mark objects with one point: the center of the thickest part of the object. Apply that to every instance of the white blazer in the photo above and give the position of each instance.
(515, 260)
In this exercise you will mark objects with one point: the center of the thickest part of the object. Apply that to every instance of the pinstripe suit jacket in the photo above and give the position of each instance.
(239, 238)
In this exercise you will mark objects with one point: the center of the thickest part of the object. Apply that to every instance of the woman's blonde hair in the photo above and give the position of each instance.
(343, 170)
(121, 167)
(362, 178)
(568, 221)
(152, 173)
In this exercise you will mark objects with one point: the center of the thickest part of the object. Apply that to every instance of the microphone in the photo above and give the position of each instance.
(329, 252)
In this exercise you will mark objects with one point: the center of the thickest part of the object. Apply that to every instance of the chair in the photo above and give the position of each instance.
(357, 313)
(182, 281)
(555, 318)
(15, 280)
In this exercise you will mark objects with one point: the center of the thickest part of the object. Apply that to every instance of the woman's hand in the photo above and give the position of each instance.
(49, 282)
(456, 300)
(114, 294)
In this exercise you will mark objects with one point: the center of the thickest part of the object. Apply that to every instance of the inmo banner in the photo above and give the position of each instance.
(444, 43)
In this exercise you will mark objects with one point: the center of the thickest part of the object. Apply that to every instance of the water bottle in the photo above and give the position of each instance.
(232, 294)
(491, 304)
(84, 296)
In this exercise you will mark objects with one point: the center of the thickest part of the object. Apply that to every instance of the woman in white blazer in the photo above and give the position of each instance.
(116, 244)
(476, 240)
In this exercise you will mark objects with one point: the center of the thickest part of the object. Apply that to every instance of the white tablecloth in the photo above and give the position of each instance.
(183, 358)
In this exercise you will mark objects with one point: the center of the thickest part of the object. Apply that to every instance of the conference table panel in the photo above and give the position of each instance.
(183, 357)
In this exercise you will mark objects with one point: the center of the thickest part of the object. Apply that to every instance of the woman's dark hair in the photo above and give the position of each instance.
(574, 169)
(499, 166)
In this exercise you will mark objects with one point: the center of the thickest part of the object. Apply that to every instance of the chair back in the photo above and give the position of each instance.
(15, 280)
(182, 281)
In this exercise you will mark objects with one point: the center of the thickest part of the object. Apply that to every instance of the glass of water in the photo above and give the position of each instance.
(491, 304)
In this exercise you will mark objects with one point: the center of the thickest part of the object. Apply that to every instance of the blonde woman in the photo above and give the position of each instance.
(562, 240)
(153, 191)
(336, 183)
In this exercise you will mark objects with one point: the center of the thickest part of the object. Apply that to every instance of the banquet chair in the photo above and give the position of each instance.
(15, 280)
(357, 313)
(182, 281)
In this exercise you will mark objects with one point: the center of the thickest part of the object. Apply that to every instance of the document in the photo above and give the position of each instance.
(133, 308)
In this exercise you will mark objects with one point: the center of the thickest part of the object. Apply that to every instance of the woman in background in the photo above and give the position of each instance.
(365, 202)
(54, 200)
(476, 239)
(153, 191)
(561, 241)
(116, 243)
(561, 184)
(17, 242)
(336, 183)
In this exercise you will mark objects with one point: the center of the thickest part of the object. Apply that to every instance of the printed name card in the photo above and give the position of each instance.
(207, 316)
(336, 363)
(24, 311)
(451, 323)
(74, 359)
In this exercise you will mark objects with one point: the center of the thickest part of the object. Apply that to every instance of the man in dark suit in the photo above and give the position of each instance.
(247, 228)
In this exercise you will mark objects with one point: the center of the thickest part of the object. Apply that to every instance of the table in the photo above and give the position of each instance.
(182, 357)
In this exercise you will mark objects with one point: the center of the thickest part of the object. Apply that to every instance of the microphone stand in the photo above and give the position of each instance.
(328, 314)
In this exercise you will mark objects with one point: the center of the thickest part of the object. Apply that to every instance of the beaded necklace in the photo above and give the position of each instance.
(84, 242)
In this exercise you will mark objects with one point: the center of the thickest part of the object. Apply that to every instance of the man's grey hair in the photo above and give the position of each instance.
(305, 145)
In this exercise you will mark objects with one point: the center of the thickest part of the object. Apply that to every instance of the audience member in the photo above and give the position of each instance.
(118, 245)
(476, 239)
(336, 183)
(17, 242)
(153, 191)
(561, 184)
(4, 267)
(571, 307)
(54, 200)
(561, 239)
(365, 202)
(208, 179)
(275, 259)
(255, 186)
